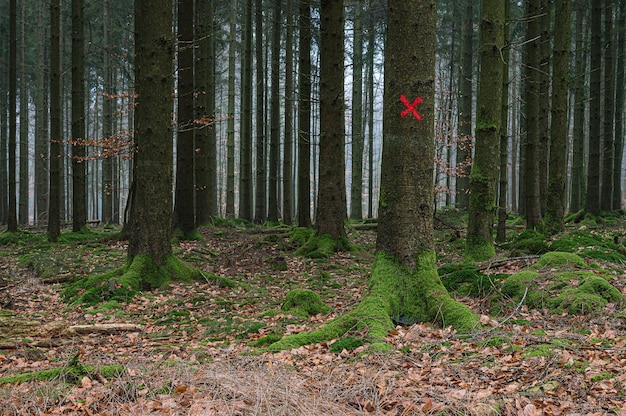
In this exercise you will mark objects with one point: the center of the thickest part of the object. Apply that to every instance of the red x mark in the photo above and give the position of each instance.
(410, 107)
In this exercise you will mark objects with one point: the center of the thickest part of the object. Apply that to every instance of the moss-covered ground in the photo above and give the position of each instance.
(558, 308)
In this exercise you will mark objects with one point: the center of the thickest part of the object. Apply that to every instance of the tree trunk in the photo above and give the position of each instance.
(592, 200)
(504, 129)
(483, 178)
(261, 176)
(608, 142)
(24, 122)
(150, 221)
(544, 100)
(12, 211)
(288, 136)
(370, 116)
(555, 206)
(107, 120)
(55, 173)
(205, 136)
(580, 64)
(245, 193)
(331, 204)
(275, 102)
(230, 129)
(184, 196)
(463, 152)
(304, 115)
(356, 190)
(619, 109)
(79, 186)
(531, 156)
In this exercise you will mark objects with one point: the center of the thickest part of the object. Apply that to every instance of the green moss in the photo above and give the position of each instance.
(465, 279)
(540, 350)
(122, 284)
(304, 303)
(346, 343)
(72, 373)
(478, 248)
(515, 286)
(529, 242)
(323, 246)
(591, 245)
(300, 235)
(557, 258)
(592, 293)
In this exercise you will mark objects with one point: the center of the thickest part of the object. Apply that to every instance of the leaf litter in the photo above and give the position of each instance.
(192, 356)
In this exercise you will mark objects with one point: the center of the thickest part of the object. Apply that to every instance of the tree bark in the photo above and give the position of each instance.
(261, 175)
(331, 204)
(356, 190)
(592, 200)
(304, 115)
(619, 109)
(288, 136)
(12, 210)
(483, 178)
(608, 142)
(555, 205)
(275, 104)
(79, 186)
(55, 173)
(151, 212)
(245, 193)
(184, 196)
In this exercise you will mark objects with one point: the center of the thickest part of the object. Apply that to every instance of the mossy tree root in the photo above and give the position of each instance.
(397, 294)
(140, 273)
(323, 246)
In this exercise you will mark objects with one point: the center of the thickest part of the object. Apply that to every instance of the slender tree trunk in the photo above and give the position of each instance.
(580, 64)
(356, 190)
(483, 179)
(532, 203)
(55, 173)
(608, 142)
(79, 186)
(463, 152)
(304, 115)
(544, 100)
(272, 214)
(4, 120)
(24, 122)
(12, 211)
(555, 209)
(245, 193)
(205, 136)
(184, 196)
(592, 200)
(504, 128)
(261, 176)
(107, 120)
(619, 108)
(370, 116)
(331, 206)
(288, 136)
(230, 129)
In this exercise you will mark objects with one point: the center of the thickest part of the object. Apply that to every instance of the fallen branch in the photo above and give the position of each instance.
(103, 328)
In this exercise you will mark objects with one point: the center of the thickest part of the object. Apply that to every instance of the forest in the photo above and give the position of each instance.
(302, 207)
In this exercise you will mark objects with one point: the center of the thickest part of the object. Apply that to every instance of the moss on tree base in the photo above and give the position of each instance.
(140, 273)
(322, 246)
(304, 303)
(397, 294)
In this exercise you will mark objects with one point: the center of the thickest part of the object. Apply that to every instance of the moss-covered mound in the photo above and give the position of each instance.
(122, 284)
(589, 244)
(321, 246)
(528, 242)
(304, 303)
(557, 282)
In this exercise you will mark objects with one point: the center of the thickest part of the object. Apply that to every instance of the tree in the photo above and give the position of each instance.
(530, 151)
(619, 108)
(24, 121)
(12, 211)
(184, 196)
(55, 172)
(356, 190)
(331, 204)
(404, 285)
(275, 102)
(79, 190)
(260, 202)
(245, 193)
(304, 115)
(592, 200)
(230, 130)
(205, 137)
(479, 242)
(288, 136)
(555, 204)
(463, 153)
(608, 141)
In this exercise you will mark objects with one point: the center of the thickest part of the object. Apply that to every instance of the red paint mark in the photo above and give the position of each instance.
(410, 107)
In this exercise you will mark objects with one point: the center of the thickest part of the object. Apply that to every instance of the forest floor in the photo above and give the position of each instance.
(191, 354)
